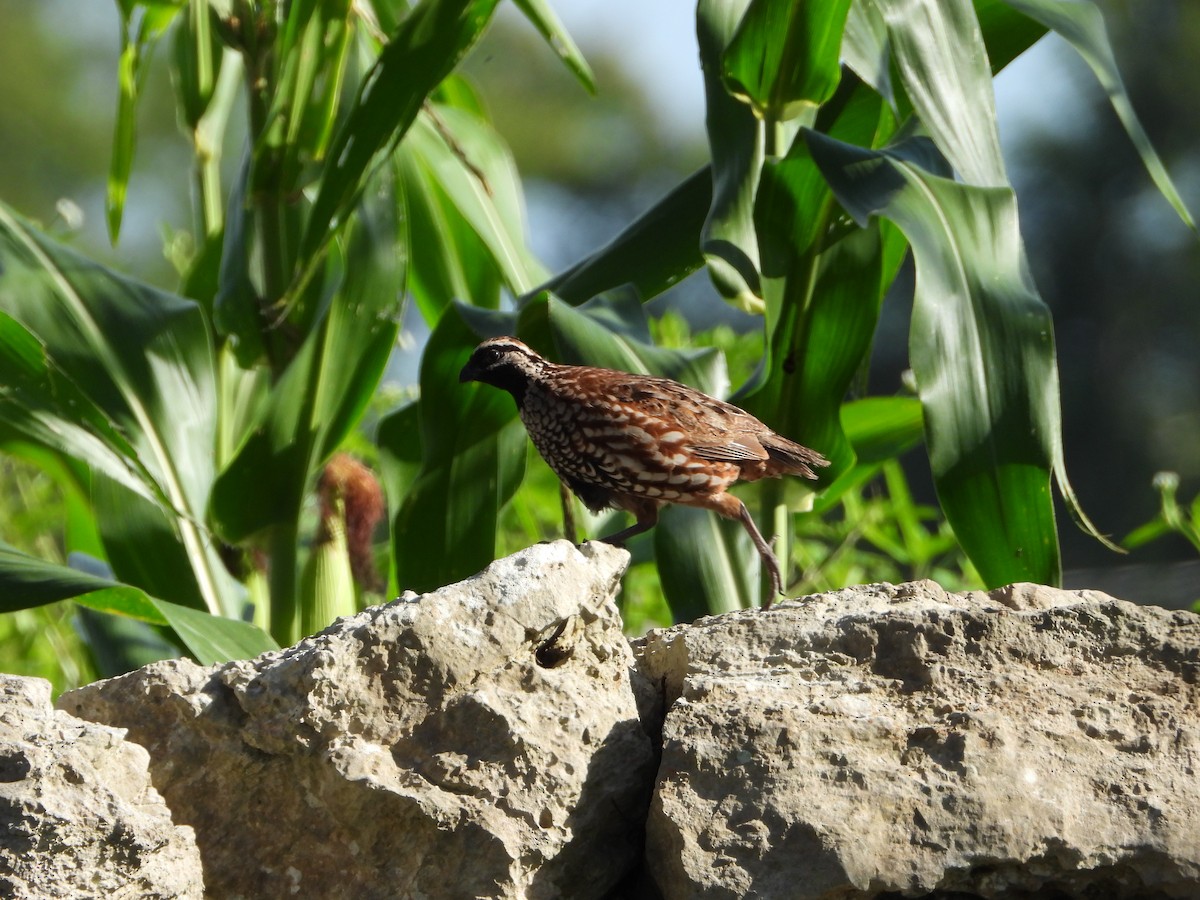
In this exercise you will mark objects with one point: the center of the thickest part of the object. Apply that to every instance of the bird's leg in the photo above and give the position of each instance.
(732, 508)
(765, 551)
(568, 508)
(647, 518)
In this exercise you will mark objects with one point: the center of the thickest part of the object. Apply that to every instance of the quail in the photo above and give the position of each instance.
(637, 442)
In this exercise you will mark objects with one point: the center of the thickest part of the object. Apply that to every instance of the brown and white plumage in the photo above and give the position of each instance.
(637, 442)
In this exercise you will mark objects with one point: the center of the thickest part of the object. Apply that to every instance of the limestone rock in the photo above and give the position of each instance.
(904, 739)
(482, 740)
(78, 815)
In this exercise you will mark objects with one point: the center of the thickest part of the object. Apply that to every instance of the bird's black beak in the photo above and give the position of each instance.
(470, 372)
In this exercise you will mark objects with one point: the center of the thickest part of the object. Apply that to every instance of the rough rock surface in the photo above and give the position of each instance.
(78, 815)
(482, 740)
(1019, 743)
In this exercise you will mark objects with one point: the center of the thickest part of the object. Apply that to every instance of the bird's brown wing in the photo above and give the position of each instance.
(716, 430)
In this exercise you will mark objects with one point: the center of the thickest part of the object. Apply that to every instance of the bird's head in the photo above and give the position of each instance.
(503, 362)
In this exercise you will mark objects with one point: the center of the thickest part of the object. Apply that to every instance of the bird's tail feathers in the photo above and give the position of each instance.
(792, 458)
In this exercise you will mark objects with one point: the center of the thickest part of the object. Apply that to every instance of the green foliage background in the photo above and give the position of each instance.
(343, 179)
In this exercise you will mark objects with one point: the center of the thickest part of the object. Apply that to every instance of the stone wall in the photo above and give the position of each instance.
(501, 738)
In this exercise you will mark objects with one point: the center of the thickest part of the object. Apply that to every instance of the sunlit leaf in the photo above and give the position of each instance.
(611, 331)
(143, 358)
(476, 172)
(737, 142)
(26, 581)
(942, 61)
(43, 405)
(982, 351)
(865, 47)
(215, 639)
(543, 17)
(141, 26)
(428, 43)
(882, 428)
(783, 58)
(452, 263)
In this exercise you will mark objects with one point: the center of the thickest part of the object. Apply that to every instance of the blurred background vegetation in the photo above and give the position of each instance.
(1119, 271)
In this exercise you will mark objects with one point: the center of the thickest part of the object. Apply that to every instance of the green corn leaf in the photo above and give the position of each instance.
(943, 65)
(142, 24)
(1082, 26)
(398, 439)
(548, 25)
(326, 387)
(982, 350)
(237, 310)
(823, 287)
(26, 581)
(143, 548)
(736, 139)
(1006, 32)
(428, 43)
(784, 57)
(215, 639)
(476, 173)
(472, 459)
(454, 261)
(866, 49)
(708, 565)
(42, 404)
(659, 249)
(882, 428)
(196, 59)
(143, 359)
(611, 331)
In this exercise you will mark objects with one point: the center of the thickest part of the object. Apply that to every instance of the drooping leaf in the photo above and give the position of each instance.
(982, 350)
(476, 172)
(866, 49)
(611, 331)
(453, 262)
(42, 404)
(215, 639)
(26, 581)
(1082, 26)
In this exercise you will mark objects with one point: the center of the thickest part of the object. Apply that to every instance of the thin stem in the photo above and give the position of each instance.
(285, 622)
